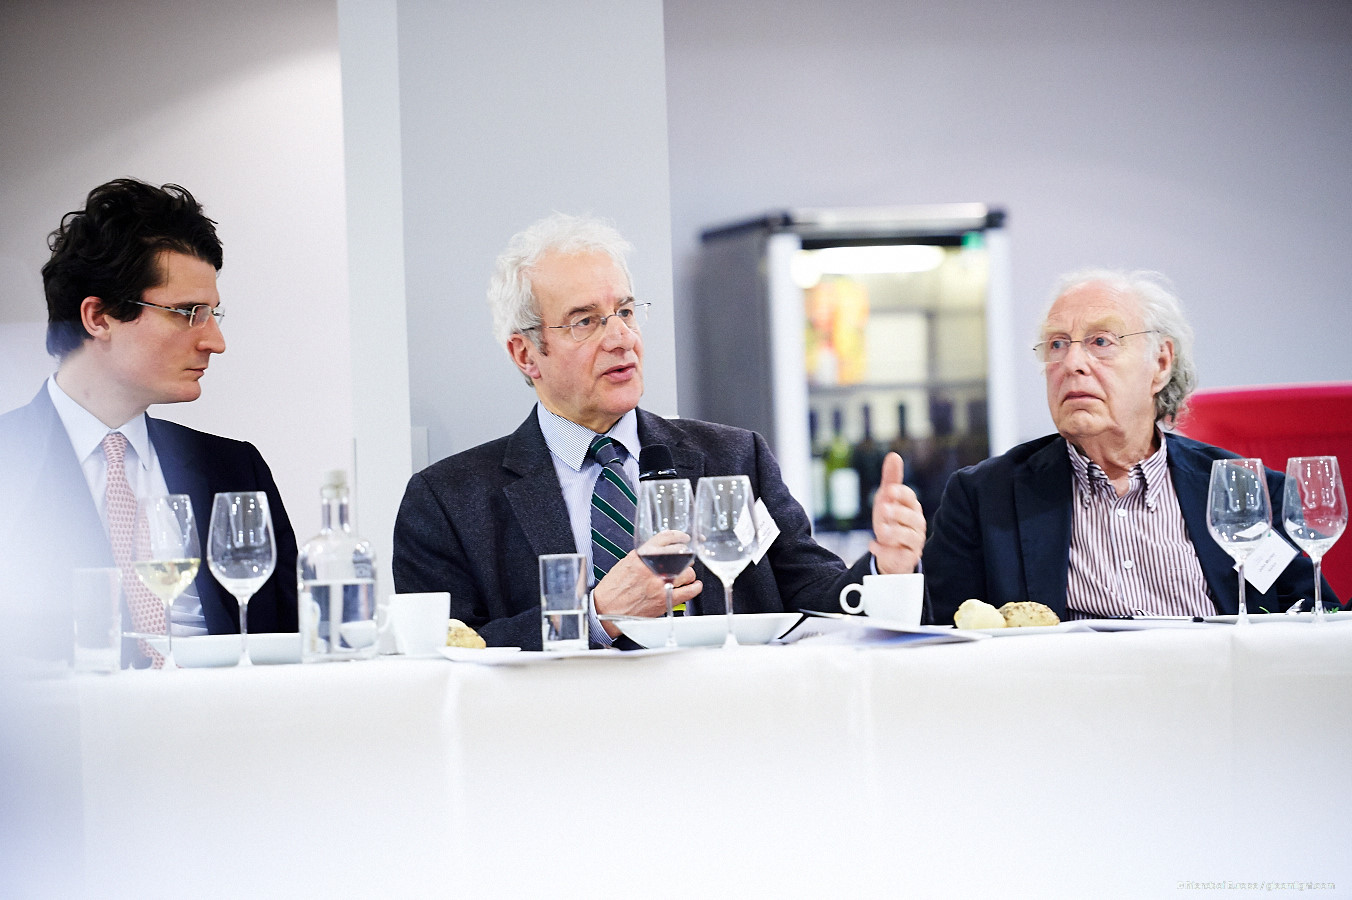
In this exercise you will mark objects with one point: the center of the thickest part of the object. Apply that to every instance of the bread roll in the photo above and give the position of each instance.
(977, 614)
(1027, 614)
(458, 634)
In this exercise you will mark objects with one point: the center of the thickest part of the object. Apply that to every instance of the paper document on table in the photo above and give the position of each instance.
(512, 656)
(838, 628)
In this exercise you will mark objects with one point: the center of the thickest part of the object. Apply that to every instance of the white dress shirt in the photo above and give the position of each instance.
(86, 433)
(568, 443)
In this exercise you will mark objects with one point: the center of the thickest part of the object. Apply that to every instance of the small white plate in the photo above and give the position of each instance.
(476, 654)
(1081, 625)
(202, 651)
(708, 631)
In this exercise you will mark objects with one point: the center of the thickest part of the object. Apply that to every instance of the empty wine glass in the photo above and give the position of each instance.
(168, 555)
(241, 551)
(1239, 512)
(662, 534)
(1314, 511)
(724, 532)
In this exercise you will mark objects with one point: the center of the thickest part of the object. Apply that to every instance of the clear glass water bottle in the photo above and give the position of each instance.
(337, 583)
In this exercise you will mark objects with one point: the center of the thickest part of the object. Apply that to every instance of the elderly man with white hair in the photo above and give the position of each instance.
(1107, 517)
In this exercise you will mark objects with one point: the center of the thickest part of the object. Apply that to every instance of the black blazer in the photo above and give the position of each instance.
(49, 524)
(474, 524)
(1002, 532)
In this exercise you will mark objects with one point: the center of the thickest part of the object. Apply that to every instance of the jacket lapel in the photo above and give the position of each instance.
(55, 481)
(183, 472)
(689, 460)
(1043, 500)
(1191, 475)
(536, 497)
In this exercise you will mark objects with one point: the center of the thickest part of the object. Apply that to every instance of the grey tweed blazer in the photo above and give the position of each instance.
(475, 523)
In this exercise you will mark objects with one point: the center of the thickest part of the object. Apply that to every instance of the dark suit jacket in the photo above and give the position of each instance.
(475, 523)
(1002, 532)
(49, 524)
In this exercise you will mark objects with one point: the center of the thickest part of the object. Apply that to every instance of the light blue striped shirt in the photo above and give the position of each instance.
(568, 443)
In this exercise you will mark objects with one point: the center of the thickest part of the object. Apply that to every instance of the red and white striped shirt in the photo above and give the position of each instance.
(1131, 553)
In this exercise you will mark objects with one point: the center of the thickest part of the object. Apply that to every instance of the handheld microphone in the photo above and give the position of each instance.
(654, 461)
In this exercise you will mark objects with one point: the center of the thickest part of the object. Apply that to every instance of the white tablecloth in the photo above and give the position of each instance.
(1075, 765)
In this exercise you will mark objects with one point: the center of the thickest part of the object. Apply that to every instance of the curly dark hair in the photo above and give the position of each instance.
(111, 248)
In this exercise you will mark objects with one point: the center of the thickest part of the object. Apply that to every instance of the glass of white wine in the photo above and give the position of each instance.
(241, 551)
(1239, 512)
(167, 555)
(724, 532)
(1314, 511)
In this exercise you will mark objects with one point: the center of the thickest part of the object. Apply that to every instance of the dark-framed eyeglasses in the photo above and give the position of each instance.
(196, 315)
(632, 315)
(1100, 345)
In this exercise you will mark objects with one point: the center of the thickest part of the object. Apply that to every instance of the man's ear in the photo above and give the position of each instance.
(94, 317)
(523, 352)
(1165, 360)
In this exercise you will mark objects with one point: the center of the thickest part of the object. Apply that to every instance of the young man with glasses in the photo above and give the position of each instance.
(475, 523)
(133, 319)
(1107, 517)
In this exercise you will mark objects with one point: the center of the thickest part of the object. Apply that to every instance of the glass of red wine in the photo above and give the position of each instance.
(662, 534)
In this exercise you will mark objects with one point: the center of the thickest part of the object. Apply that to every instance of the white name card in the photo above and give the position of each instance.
(1268, 560)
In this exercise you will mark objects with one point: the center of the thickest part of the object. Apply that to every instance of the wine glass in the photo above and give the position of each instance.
(724, 532)
(1314, 510)
(167, 555)
(1239, 512)
(241, 551)
(662, 534)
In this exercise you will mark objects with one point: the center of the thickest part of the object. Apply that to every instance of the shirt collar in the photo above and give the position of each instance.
(570, 441)
(86, 432)
(1154, 470)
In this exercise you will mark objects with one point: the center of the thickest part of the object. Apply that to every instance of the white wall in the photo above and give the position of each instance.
(510, 111)
(239, 102)
(1210, 140)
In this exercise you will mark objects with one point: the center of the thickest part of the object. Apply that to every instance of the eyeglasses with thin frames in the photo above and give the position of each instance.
(196, 315)
(632, 315)
(1100, 345)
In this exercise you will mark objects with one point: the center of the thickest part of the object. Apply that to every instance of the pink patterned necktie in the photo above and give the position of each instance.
(147, 612)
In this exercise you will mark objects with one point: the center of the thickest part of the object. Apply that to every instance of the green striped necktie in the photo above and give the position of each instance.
(612, 508)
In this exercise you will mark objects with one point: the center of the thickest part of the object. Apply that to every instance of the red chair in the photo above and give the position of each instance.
(1277, 422)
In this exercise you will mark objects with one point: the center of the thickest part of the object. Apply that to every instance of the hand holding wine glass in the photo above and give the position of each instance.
(724, 532)
(1239, 512)
(167, 554)
(662, 534)
(241, 551)
(1314, 511)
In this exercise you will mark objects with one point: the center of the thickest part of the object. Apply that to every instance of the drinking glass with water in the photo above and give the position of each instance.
(563, 601)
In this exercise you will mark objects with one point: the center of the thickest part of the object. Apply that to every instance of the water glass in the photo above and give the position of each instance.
(563, 601)
(98, 619)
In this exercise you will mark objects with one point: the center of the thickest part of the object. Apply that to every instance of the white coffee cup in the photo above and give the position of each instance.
(896, 598)
(418, 621)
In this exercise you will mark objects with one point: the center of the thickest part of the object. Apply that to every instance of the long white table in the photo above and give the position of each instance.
(1075, 765)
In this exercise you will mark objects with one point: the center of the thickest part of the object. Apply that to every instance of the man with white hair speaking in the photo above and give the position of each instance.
(1108, 516)
(475, 523)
